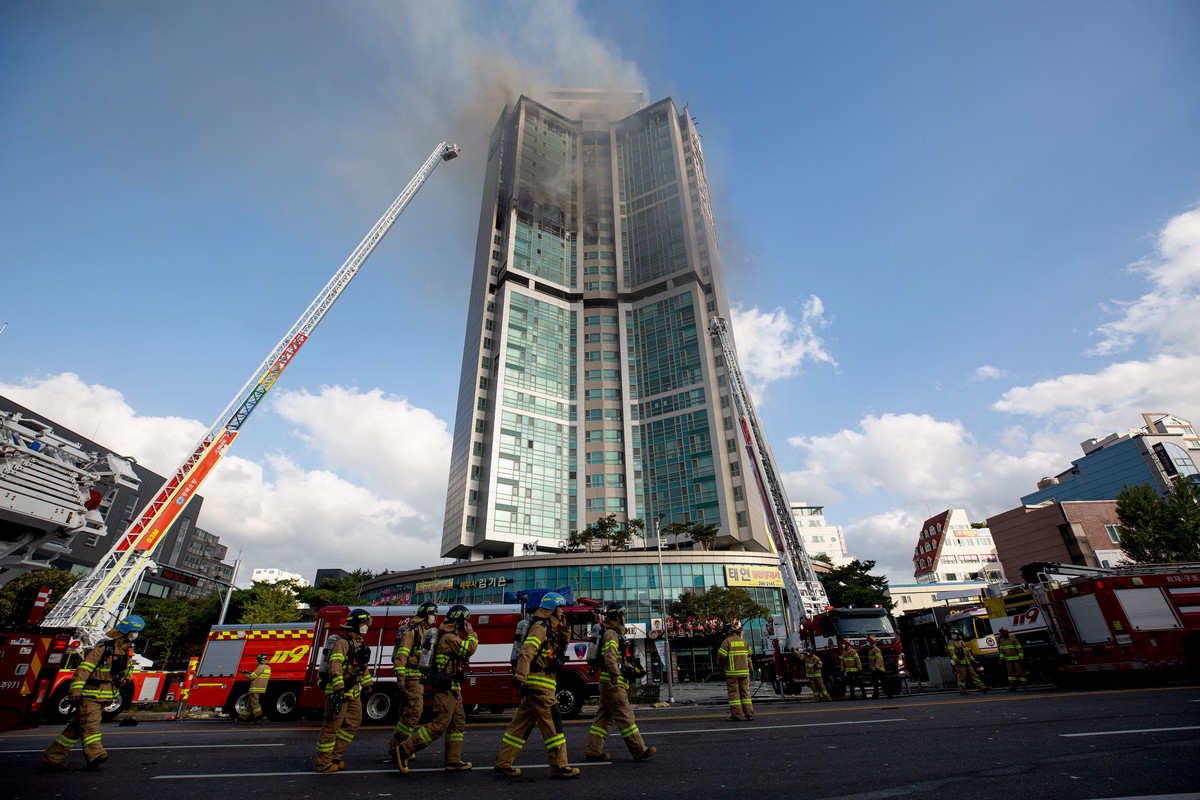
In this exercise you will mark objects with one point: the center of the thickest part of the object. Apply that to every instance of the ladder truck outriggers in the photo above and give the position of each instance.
(91, 607)
(808, 622)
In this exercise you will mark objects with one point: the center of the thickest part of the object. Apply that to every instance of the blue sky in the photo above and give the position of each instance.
(961, 238)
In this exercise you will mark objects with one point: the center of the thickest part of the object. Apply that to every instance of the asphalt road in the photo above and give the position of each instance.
(1041, 744)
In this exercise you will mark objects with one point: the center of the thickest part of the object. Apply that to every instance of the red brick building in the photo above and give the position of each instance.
(1084, 532)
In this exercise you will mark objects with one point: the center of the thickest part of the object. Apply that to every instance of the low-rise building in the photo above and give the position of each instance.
(950, 549)
(1085, 533)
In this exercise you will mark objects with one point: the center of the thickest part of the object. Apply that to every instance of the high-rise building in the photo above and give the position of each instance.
(590, 385)
(822, 541)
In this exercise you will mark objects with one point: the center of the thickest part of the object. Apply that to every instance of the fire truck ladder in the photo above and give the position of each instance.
(92, 604)
(805, 594)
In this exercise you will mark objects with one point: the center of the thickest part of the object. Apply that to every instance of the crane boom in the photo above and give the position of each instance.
(803, 590)
(92, 604)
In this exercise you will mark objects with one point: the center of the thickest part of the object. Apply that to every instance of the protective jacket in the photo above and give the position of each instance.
(258, 678)
(407, 652)
(538, 663)
(103, 670)
(1010, 648)
(734, 656)
(960, 653)
(452, 655)
(612, 653)
(850, 660)
(348, 662)
(875, 659)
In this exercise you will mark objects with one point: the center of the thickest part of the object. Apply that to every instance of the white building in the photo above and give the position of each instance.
(821, 540)
(949, 549)
(912, 596)
(275, 576)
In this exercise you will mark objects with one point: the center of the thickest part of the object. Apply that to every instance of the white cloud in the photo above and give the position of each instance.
(914, 465)
(278, 513)
(988, 372)
(771, 346)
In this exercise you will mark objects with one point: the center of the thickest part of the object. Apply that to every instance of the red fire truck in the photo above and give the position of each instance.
(230, 649)
(487, 684)
(30, 657)
(824, 633)
(1137, 621)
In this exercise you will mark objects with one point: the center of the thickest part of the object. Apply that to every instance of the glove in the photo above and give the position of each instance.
(367, 687)
(73, 704)
(520, 686)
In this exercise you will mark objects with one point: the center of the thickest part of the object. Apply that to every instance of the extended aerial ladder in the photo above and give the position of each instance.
(91, 605)
(803, 591)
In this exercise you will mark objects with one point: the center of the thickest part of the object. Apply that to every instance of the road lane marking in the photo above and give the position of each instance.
(1139, 730)
(159, 747)
(393, 771)
(652, 732)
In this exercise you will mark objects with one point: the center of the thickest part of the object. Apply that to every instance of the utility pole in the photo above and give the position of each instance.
(662, 595)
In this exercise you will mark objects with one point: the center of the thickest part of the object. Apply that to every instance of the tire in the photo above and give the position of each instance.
(380, 708)
(283, 705)
(117, 704)
(57, 705)
(570, 695)
(239, 701)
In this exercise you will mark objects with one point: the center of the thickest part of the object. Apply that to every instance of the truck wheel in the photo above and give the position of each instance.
(239, 701)
(283, 705)
(379, 708)
(571, 694)
(57, 708)
(117, 704)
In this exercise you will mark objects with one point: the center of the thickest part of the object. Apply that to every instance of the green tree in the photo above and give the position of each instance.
(13, 593)
(268, 602)
(334, 591)
(703, 533)
(853, 585)
(172, 634)
(1157, 529)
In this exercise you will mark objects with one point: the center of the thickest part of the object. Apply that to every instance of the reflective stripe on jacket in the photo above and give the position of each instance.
(734, 656)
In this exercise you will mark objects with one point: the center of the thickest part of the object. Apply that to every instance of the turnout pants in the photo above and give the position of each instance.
(853, 679)
(614, 710)
(448, 718)
(964, 672)
(84, 726)
(1017, 674)
(538, 708)
(738, 690)
(413, 700)
(817, 684)
(877, 676)
(253, 707)
(338, 730)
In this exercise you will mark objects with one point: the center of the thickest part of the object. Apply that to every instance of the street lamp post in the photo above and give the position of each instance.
(229, 591)
(662, 595)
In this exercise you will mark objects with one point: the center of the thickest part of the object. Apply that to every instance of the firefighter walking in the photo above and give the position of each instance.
(348, 679)
(964, 663)
(534, 676)
(812, 670)
(614, 709)
(456, 645)
(405, 665)
(852, 670)
(1013, 656)
(97, 681)
(734, 656)
(258, 686)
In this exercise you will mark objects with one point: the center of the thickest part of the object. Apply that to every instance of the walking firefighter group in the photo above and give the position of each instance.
(105, 668)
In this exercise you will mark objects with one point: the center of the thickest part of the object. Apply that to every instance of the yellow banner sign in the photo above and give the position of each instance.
(753, 576)
(432, 586)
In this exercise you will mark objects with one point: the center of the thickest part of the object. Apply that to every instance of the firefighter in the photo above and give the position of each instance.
(618, 670)
(1013, 656)
(456, 645)
(964, 663)
(258, 686)
(734, 656)
(542, 653)
(852, 670)
(405, 656)
(348, 680)
(97, 681)
(876, 667)
(812, 670)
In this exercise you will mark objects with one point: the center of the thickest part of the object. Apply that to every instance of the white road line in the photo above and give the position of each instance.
(483, 768)
(1139, 730)
(652, 733)
(159, 747)
(1191, 796)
